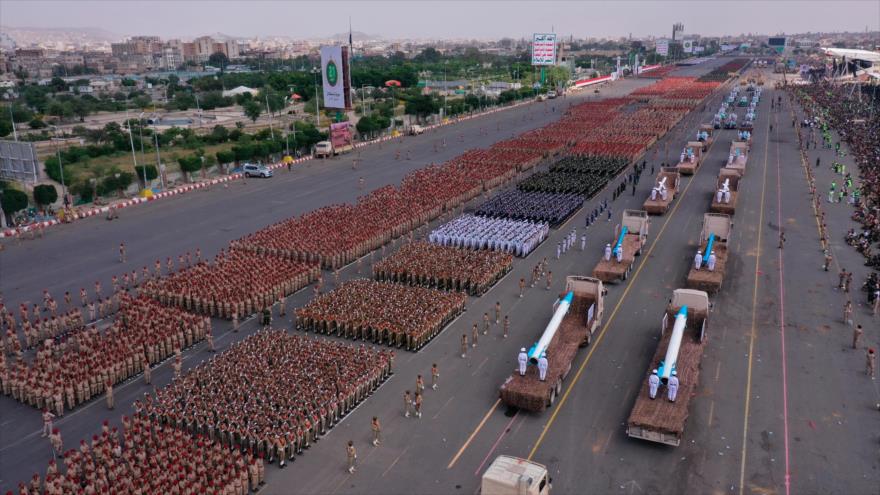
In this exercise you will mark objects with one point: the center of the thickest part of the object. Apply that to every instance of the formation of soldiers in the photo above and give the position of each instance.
(445, 268)
(87, 362)
(149, 458)
(272, 394)
(236, 282)
(473, 232)
(382, 312)
(583, 176)
(544, 207)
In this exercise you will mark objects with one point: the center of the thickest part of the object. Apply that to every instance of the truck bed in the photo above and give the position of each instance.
(611, 270)
(659, 416)
(726, 208)
(705, 280)
(528, 392)
(659, 206)
(688, 168)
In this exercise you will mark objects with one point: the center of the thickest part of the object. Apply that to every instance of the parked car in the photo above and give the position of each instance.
(256, 170)
(551, 94)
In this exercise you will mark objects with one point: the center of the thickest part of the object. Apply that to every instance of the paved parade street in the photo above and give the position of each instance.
(783, 404)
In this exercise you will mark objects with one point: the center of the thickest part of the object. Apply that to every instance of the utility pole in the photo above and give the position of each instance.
(269, 111)
(12, 119)
(159, 161)
(131, 141)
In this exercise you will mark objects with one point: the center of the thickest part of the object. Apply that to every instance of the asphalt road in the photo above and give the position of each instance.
(781, 398)
(76, 255)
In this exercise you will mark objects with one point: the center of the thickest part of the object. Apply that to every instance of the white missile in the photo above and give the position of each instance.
(552, 327)
(669, 363)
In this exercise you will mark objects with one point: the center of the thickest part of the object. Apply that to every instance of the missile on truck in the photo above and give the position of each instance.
(630, 236)
(663, 193)
(738, 156)
(691, 158)
(725, 194)
(676, 366)
(704, 135)
(707, 274)
(576, 316)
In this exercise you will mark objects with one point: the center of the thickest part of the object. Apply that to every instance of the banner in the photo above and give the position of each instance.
(728, 47)
(687, 46)
(340, 135)
(699, 49)
(544, 49)
(333, 74)
(663, 47)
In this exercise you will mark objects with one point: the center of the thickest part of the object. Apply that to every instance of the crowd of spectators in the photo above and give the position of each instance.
(382, 312)
(854, 113)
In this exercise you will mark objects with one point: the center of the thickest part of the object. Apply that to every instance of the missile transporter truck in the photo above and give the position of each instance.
(663, 193)
(710, 262)
(620, 255)
(576, 316)
(676, 363)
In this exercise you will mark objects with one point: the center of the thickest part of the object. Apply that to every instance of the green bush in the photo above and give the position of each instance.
(150, 170)
(45, 194)
(37, 123)
(13, 200)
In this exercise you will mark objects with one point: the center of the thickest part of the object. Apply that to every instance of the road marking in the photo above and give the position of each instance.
(711, 412)
(473, 434)
(717, 371)
(782, 320)
(441, 407)
(395, 461)
(495, 445)
(617, 307)
(752, 331)
(480, 366)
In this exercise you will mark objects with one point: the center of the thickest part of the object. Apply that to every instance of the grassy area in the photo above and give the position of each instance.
(101, 166)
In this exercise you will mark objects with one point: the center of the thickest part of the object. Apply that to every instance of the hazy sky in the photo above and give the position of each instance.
(446, 19)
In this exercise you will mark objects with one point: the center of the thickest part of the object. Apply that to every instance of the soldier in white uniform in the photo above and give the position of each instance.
(607, 252)
(542, 366)
(712, 261)
(618, 254)
(523, 360)
(583, 242)
(698, 259)
(653, 384)
(672, 386)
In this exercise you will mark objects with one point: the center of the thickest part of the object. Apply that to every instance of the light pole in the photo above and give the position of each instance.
(315, 71)
(141, 134)
(159, 161)
(60, 170)
(198, 108)
(269, 111)
(131, 141)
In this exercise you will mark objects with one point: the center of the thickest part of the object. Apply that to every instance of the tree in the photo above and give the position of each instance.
(190, 164)
(150, 170)
(13, 201)
(252, 110)
(21, 113)
(220, 134)
(37, 123)
(421, 106)
(218, 59)
(45, 194)
(5, 128)
(80, 109)
(225, 157)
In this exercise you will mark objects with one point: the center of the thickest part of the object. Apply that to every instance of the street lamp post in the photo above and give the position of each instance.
(131, 141)
(315, 71)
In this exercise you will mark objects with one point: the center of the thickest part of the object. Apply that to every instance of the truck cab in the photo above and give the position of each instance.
(510, 475)
(324, 149)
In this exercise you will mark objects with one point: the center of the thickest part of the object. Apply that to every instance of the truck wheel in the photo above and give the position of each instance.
(589, 338)
(552, 397)
(558, 387)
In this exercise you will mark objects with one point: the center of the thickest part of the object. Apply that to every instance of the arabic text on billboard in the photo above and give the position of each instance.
(663, 47)
(544, 49)
(340, 135)
(687, 46)
(332, 71)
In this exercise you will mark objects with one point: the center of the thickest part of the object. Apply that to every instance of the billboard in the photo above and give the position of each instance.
(663, 47)
(728, 47)
(699, 49)
(340, 135)
(687, 46)
(18, 162)
(333, 75)
(777, 43)
(544, 49)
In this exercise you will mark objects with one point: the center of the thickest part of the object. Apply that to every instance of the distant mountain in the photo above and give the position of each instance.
(356, 35)
(24, 36)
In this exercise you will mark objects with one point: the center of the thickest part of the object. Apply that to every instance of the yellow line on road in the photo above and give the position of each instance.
(473, 434)
(742, 467)
(629, 286)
